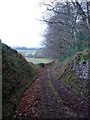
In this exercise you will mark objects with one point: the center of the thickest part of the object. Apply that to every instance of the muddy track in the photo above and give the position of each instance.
(48, 98)
(80, 107)
(52, 104)
(29, 107)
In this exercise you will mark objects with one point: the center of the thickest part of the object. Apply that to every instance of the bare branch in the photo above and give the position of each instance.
(79, 8)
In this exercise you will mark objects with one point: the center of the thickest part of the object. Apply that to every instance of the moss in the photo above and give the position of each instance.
(67, 75)
(76, 85)
(82, 56)
(18, 74)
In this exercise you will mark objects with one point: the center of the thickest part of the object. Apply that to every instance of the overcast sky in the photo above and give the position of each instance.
(18, 24)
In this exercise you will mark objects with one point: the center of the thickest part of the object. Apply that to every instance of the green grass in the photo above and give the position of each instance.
(38, 60)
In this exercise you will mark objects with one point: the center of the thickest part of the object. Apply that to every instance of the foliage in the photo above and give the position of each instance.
(84, 56)
(68, 29)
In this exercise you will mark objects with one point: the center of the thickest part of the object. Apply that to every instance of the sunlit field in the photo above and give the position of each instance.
(38, 60)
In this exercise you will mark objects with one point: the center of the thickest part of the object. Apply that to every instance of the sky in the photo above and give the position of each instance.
(18, 23)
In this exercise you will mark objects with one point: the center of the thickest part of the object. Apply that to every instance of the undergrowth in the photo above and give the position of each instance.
(66, 74)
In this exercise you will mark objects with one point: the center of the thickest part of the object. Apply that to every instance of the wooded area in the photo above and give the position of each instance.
(68, 28)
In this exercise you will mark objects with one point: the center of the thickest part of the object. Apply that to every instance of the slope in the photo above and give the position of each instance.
(75, 74)
(17, 75)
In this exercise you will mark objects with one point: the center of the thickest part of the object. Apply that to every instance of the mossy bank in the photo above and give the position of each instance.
(17, 74)
(75, 74)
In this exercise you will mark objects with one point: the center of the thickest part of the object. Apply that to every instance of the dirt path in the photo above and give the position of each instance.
(29, 107)
(52, 104)
(70, 99)
(48, 98)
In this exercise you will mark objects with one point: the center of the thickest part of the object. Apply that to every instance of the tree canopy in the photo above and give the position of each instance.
(68, 28)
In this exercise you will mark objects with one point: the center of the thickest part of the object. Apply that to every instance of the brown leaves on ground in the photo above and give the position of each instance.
(30, 106)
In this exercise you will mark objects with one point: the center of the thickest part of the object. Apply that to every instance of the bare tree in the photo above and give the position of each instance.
(65, 25)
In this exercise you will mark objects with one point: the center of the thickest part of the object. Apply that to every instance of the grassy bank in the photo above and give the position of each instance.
(18, 75)
(67, 74)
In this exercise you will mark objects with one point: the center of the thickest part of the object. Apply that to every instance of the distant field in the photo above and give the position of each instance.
(26, 52)
(38, 60)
